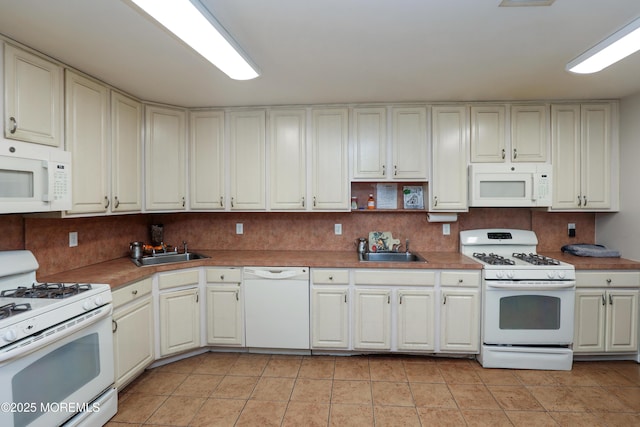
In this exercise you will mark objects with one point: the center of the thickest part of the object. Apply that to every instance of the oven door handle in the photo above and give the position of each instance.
(542, 287)
(58, 332)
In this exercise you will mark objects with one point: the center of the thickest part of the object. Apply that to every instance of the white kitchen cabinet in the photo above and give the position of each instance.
(34, 110)
(165, 148)
(288, 161)
(416, 319)
(247, 159)
(460, 320)
(410, 150)
(529, 133)
(369, 139)
(372, 319)
(206, 160)
(87, 113)
(582, 157)
(225, 317)
(330, 159)
(133, 331)
(449, 139)
(126, 153)
(488, 134)
(330, 309)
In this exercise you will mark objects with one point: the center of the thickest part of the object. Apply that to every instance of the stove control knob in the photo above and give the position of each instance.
(98, 301)
(510, 274)
(87, 305)
(551, 274)
(561, 274)
(10, 335)
(499, 274)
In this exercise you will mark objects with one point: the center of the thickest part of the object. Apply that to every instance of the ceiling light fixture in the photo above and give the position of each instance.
(617, 46)
(190, 21)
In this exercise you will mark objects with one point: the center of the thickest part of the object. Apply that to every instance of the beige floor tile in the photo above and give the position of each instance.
(618, 419)
(248, 366)
(531, 419)
(184, 366)
(578, 376)
(535, 377)
(198, 385)
(282, 367)
(433, 395)
(159, 383)
(391, 394)
(273, 389)
(262, 413)
(598, 399)
(576, 419)
(213, 365)
(473, 396)
(497, 376)
(138, 408)
(485, 418)
(630, 396)
(352, 368)
(441, 417)
(387, 369)
(232, 387)
(515, 398)
(351, 415)
(218, 413)
(353, 392)
(312, 390)
(306, 414)
(423, 372)
(459, 373)
(176, 411)
(393, 416)
(556, 398)
(322, 368)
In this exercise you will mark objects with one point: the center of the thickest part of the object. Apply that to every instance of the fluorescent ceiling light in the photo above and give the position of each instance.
(525, 3)
(194, 25)
(609, 51)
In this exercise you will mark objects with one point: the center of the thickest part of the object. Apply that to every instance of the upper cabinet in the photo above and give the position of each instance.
(247, 159)
(288, 161)
(528, 140)
(584, 157)
(165, 147)
(206, 160)
(329, 159)
(449, 139)
(407, 149)
(33, 98)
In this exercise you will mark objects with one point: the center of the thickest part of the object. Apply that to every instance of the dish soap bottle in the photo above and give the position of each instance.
(371, 203)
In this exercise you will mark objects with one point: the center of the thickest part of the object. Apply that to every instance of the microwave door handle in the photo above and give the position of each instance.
(45, 184)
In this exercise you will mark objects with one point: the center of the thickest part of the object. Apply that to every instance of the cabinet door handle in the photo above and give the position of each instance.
(116, 203)
(384, 170)
(400, 299)
(331, 278)
(435, 201)
(504, 154)
(345, 297)
(585, 200)
(221, 201)
(134, 292)
(610, 300)
(14, 125)
(604, 301)
(444, 299)
(515, 153)
(460, 280)
(303, 202)
(579, 201)
(106, 202)
(388, 299)
(237, 295)
(183, 201)
(395, 170)
(314, 201)
(222, 277)
(232, 202)
(114, 326)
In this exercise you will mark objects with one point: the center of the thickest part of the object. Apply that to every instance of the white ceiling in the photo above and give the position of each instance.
(340, 51)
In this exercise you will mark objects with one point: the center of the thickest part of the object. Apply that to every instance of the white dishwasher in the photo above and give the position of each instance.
(277, 307)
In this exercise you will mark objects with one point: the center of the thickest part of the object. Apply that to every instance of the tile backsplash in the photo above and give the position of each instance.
(105, 238)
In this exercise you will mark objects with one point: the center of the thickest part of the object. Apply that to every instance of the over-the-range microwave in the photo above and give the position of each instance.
(34, 179)
(510, 185)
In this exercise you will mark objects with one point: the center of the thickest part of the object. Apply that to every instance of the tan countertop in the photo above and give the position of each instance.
(121, 271)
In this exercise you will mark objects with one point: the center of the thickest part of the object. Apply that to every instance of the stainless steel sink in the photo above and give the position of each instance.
(167, 258)
(392, 257)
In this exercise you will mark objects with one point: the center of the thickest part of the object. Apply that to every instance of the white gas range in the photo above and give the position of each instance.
(56, 352)
(528, 301)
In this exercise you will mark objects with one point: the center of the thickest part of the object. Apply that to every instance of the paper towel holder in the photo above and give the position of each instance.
(441, 217)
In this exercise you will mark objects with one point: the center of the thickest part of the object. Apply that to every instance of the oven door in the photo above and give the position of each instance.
(47, 384)
(528, 316)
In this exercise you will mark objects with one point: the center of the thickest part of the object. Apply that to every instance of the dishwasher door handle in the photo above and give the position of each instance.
(275, 274)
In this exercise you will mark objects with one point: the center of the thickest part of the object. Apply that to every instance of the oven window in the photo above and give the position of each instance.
(510, 189)
(533, 312)
(56, 375)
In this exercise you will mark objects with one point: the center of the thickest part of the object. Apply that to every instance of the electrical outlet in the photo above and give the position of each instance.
(239, 228)
(337, 229)
(446, 229)
(73, 239)
(571, 229)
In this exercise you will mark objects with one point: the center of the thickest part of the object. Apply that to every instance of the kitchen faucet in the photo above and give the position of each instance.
(184, 245)
(406, 246)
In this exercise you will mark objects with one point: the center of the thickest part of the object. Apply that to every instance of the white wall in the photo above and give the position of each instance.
(621, 230)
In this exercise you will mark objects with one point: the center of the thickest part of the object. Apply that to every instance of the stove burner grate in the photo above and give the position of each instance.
(46, 290)
(9, 310)
(536, 259)
(493, 259)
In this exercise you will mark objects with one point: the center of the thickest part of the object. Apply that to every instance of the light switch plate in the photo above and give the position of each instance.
(239, 228)
(73, 239)
(337, 229)
(446, 229)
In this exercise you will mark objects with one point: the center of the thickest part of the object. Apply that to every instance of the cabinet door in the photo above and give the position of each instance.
(488, 134)
(565, 140)
(179, 321)
(206, 159)
(416, 320)
(33, 98)
(529, 138)
(330, 317)
(165, 158)
(622, 320)
(329, 159)
(224, 315)
(460, 320)
(87, 104)
(133, 340)
(288, 160)
(369, 143)
(595, 156)
(126, 153)
(589, 326)
(372, 319)
(409, 143)
(247, 162)
(448, 186)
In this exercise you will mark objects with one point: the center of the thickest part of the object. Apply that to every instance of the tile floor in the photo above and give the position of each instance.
(236, 389)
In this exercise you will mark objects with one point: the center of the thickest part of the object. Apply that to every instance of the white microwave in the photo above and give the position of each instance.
(34, 179)
(510, 185)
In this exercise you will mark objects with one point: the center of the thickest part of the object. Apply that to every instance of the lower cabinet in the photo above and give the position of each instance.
(416, 319)
(372, 319)
(133, 331)
(330, 317)
(460, 311)
(225, 316)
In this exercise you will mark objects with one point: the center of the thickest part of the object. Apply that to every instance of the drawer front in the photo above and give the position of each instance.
(130, 292)
(460, 278)
(179, 278)
(330, 277)
(610, 279)
(394, 277)
(224, 275)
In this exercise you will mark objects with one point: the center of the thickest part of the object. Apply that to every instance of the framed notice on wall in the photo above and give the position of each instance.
(413, 197)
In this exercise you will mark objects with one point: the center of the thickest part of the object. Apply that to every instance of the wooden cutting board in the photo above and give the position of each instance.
(382, 241)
